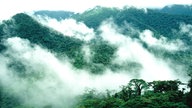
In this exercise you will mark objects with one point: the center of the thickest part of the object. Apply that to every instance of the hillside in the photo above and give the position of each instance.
(158, 22)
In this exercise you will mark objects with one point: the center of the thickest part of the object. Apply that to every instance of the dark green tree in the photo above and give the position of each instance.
(189, 95)
(165, 86)
(138, 85)
(125, 94)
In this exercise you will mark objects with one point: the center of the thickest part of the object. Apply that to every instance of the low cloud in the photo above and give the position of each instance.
(131, 50)
(87, 53)
(147, 36)
(69, 27)
(186, 29)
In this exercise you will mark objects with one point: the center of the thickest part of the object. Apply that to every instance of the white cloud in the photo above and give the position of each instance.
(69, 27)
(87, 53)
(174, 45)
(186, 29)
(131, 50)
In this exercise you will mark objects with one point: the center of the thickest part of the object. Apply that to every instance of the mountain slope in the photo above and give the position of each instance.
(160, 23)
(26, 27)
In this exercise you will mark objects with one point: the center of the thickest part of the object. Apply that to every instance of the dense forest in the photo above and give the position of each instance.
(42, 67)
(139, 94)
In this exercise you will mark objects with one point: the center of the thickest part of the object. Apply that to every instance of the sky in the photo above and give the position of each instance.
(10, 7)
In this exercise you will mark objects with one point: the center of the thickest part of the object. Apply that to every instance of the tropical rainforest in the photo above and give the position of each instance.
(101, 58)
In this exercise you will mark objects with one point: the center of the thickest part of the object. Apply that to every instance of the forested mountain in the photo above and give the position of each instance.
(159, 23)
(168, 15)
(177, 9)
(144, 54)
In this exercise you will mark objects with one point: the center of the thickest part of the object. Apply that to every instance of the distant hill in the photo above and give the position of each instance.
(55, 14)
(158, 22)
(177, 9)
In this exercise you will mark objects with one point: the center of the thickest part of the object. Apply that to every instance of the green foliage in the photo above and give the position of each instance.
(190, 83)
(138, 85)
(189, 99)
(102, 56)
(125, 98)
(92, 99)
(2, 47)
(165, 86)
(125, 94)
(89, 100)
(103, 53)
(7, 99)
(153, 100)
(79, 61)
(96, 68)
(157, 22)
(1, 31)
(189, 95)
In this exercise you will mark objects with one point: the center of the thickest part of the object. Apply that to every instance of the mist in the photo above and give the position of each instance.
(186, 29)
(162, 43)
(69, 27)
(56, 82)
(132, 50)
